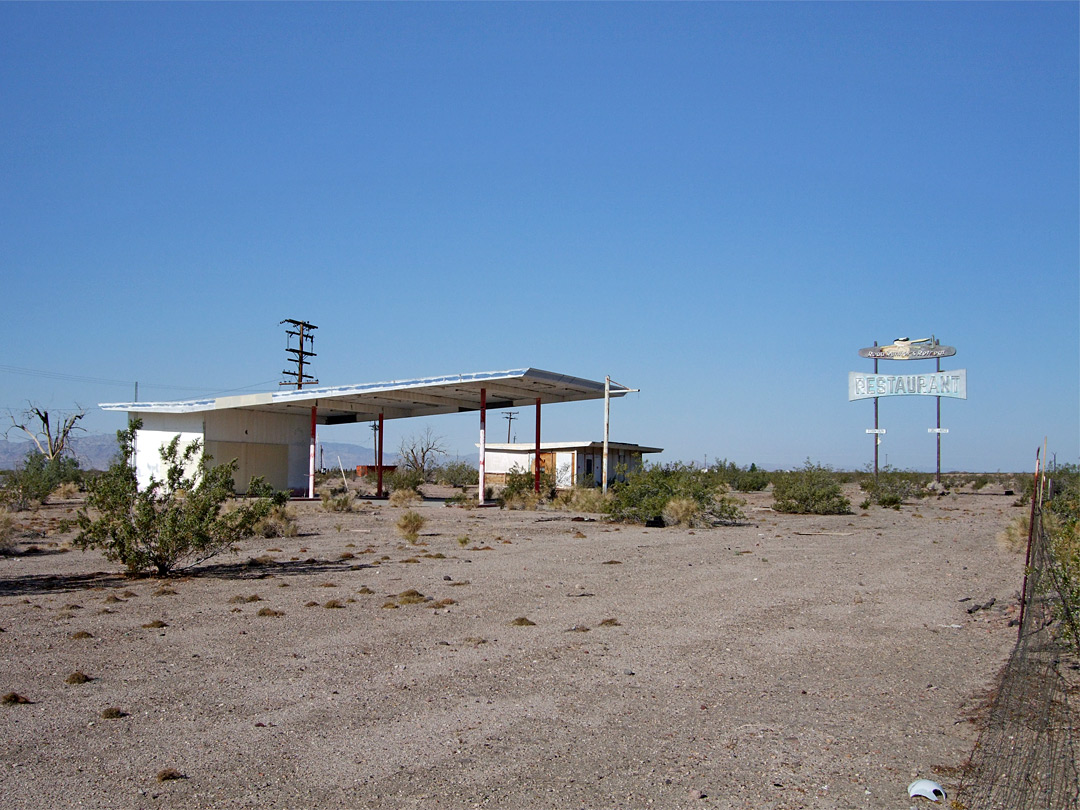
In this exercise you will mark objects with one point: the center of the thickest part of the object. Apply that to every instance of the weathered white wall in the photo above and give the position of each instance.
(157, 431)
(502, 461)
(272, 445)
(564, 469)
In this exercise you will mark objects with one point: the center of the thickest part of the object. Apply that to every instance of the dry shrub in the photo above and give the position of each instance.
(7, 530)
(1014, 536)
(78, 676)
(523, 621)
(523, 501)
(270, 612)
(280, 522)
(66, 491)
(169, 774)
(583, 499)
(157, 624)
(411, 597)
(404, 497)
(81, 634)
(682, 512)
(337, 503)
(410, 524)
(112, 713)
(14, 699)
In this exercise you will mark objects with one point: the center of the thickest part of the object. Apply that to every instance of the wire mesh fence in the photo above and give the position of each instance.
(1026, 755)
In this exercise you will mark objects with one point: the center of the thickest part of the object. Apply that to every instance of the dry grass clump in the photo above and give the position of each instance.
(78, 676)
(14, 699)
(410, 524)
(156, 624)
(522, 501)
(404, 497)
(1014, 536)
(169, 774)
(112, 713)
(280, 522)
(165, 591)
(610, 623)
(337, 503)
(7, 530)
(582, 499)
(523, 621)
(682, 512)
(238, 599)
(81, 634)
(334, 604)
(66, 491)
(270, 612)
(411, 597)
(365, 590)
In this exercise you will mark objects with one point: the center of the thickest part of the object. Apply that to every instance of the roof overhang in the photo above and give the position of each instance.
(400, 399)
(529, 447)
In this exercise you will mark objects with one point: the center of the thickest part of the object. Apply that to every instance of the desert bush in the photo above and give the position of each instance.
(37, 478)
(456, 474)
(403, 497)
(812, 489)
(741, 479)
(644, 494)
(893, 487)
(410, 524)
(404, 479)
(168, 524)
(520, 487)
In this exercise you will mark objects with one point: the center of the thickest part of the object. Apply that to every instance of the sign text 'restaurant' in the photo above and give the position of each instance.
(941, 384)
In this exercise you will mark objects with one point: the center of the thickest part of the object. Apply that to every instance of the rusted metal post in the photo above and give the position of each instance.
(379, 459)
(536, 456)
(483, 443)
(1030, 539)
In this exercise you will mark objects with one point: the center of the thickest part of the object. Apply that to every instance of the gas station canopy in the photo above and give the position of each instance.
(400, 399)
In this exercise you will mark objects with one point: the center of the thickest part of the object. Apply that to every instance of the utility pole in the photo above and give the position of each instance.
(302, 332)
(509, 416)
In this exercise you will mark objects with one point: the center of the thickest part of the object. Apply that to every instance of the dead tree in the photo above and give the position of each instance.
(52, 440)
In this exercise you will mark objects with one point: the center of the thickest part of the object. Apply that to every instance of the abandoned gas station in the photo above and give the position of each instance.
(273, 434)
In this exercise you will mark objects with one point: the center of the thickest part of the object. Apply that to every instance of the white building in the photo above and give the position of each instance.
(574, 463)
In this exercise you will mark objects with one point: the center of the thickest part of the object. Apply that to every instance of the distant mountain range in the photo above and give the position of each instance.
(96, 451)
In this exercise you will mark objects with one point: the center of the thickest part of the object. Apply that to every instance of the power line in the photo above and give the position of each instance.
(57, 375)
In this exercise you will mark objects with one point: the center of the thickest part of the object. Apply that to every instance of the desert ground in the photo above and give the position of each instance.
(789, 662)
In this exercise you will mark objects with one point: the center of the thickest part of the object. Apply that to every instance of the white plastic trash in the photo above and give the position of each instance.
(924, 787)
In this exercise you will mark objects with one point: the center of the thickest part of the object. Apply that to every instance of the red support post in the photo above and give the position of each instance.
(483, 442)
(536, 465)
(379, 459)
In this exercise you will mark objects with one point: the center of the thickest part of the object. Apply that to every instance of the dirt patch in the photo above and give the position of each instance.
(792, 662)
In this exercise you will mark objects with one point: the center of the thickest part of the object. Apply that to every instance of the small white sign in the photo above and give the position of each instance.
(937, 430)
(875, 430)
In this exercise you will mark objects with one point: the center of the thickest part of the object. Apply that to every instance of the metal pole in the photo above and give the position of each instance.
(937, 476)
(536, 456)
(379, 459)
(877, 436)
(607, 426)
(483, 443)
(311, 456)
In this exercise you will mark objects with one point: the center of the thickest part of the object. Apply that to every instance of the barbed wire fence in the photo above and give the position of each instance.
(1026, 755)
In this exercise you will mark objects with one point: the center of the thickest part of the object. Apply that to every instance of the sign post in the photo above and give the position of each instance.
(952, 384)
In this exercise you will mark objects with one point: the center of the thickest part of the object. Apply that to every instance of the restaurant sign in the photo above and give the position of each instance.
(940, 384)
(908, 349)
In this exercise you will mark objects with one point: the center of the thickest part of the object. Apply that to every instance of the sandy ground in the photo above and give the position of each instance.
(792, 662)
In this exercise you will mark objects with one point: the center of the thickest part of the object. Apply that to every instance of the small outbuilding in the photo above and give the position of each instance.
(573, 463)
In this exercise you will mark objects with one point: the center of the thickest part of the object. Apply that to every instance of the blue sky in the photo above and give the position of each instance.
(718, 204)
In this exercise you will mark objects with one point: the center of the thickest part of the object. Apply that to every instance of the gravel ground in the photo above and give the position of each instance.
(791, 662)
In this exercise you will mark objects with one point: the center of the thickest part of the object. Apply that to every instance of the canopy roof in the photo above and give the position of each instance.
(399, 399)
(529, 447)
